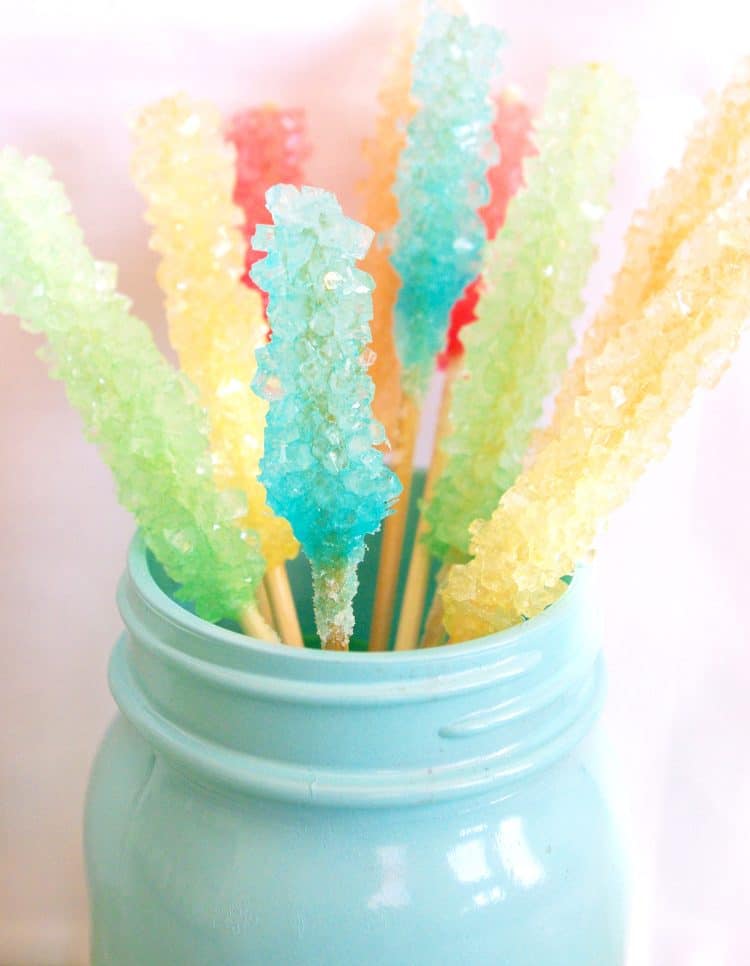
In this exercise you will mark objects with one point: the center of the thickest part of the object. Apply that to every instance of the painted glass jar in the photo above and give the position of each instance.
(262, 804)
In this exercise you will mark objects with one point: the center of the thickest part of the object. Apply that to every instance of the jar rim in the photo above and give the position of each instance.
(165, 607)
(480, 713)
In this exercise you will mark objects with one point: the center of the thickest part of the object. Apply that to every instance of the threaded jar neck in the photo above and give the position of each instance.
(354, 729)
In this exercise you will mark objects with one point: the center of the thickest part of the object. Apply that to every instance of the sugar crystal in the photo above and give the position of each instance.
(271, 145)
(688, 193)
(533, 276)
(322, 472)
(186, 171)
(382, 153)
(441, 182)
(141, 413)
(659, 345)
(513, 136)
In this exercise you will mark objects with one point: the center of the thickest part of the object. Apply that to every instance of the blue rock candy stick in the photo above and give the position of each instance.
(441, 182)
(320, 465)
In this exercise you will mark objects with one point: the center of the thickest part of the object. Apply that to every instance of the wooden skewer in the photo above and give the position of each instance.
(414, 594)
(264, 606)
(253, 625)
(415, 591)
(434, 632)
(284, 608)
(393, 534)
(336, 641)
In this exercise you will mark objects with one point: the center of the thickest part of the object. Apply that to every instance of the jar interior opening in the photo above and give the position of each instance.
(301, 581)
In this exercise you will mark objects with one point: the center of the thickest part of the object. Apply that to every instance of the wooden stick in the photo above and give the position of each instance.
(336, 641)
(264, 606)
(415, 591)
(434, 632)
(254, 626)
(414, 594)
(284, 608)
(393, 533)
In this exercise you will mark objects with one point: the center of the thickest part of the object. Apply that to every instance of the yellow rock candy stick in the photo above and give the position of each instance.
(688, 193)
(186, 171)
(633, 391)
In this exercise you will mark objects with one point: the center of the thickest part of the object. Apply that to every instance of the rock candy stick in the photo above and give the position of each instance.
(320, 463)
(534, 273)
(637, 387)
(437, 241)
(513, 135)
(271, 144)
(382, 152)
(441, 183)
(144, 417)
(674, 209)
(186, 171)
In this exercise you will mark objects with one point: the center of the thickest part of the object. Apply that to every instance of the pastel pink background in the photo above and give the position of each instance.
(673, 567)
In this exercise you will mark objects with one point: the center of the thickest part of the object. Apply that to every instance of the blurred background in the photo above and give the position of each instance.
(671, 569)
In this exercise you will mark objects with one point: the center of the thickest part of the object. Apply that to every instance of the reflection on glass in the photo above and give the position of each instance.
(392, 893)
(515, 853)
(495, 894)
(468, 860)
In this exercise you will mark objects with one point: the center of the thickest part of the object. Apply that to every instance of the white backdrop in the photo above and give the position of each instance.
(672, 568)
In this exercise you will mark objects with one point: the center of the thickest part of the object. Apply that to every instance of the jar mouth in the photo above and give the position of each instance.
(171, 611)
(267, 718)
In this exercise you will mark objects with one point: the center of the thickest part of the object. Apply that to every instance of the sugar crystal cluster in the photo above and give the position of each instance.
(514, 138)
(382, 153)
(688, 193)
(185, 169)
(144, 417)
(320, 463)
(478, 220)
(271, 144)
(632, 390)
(441, 182)
(533, 276)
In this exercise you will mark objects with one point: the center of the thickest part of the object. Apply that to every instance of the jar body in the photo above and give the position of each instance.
(182, 874)
(262, 804)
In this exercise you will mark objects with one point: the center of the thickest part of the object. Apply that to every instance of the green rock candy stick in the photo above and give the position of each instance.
(142, 414)
(534, 273)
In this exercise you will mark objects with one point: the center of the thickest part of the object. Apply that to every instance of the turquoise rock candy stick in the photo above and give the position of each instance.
(320, 465)
(534, 273)
(141, 413)
(441, 182)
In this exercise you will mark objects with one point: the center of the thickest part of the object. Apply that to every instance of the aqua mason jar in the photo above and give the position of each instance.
(262, 804)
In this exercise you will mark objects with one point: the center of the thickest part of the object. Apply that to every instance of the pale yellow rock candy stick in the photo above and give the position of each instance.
(689, 192)
(635, 389)
(186, 171)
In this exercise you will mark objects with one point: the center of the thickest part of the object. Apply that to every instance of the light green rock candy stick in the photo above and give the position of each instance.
(534, 273)
(142, 414)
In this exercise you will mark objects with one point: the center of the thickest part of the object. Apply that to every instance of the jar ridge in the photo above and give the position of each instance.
(355, 728)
